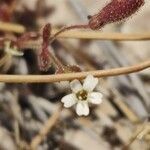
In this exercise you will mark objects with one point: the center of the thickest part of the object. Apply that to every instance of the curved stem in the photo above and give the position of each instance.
(72, 76)
(58, 64)
(68, 28)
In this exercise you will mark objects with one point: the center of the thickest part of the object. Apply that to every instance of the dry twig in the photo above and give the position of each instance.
(141, 132)
(71, 76)
(10, 27)
(98, 35)
(45, 129)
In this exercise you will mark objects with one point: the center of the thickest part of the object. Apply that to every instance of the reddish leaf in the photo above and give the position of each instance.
(44, 56)
(5, 14)
(46, 33)
(44, 59)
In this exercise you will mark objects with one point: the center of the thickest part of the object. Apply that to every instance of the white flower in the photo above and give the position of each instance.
(12, 50)
(82, 95)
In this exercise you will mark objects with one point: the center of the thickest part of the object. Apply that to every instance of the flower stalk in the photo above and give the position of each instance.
(72, 76)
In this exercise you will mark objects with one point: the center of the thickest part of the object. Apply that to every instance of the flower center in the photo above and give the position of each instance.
(82, 95)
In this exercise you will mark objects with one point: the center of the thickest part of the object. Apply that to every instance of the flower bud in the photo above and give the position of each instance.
(114, 11)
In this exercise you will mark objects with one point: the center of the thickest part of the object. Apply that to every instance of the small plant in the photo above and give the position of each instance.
(82, 83)
(114, 11)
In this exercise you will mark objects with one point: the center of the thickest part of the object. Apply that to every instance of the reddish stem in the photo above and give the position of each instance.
(85, 26)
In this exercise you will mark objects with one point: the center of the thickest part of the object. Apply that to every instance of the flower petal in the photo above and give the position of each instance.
(90, 83)
(76, 86)
(95, 97)
(82, 108)
(69, 100)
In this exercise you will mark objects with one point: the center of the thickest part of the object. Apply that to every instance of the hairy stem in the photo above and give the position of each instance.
(68, 28)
